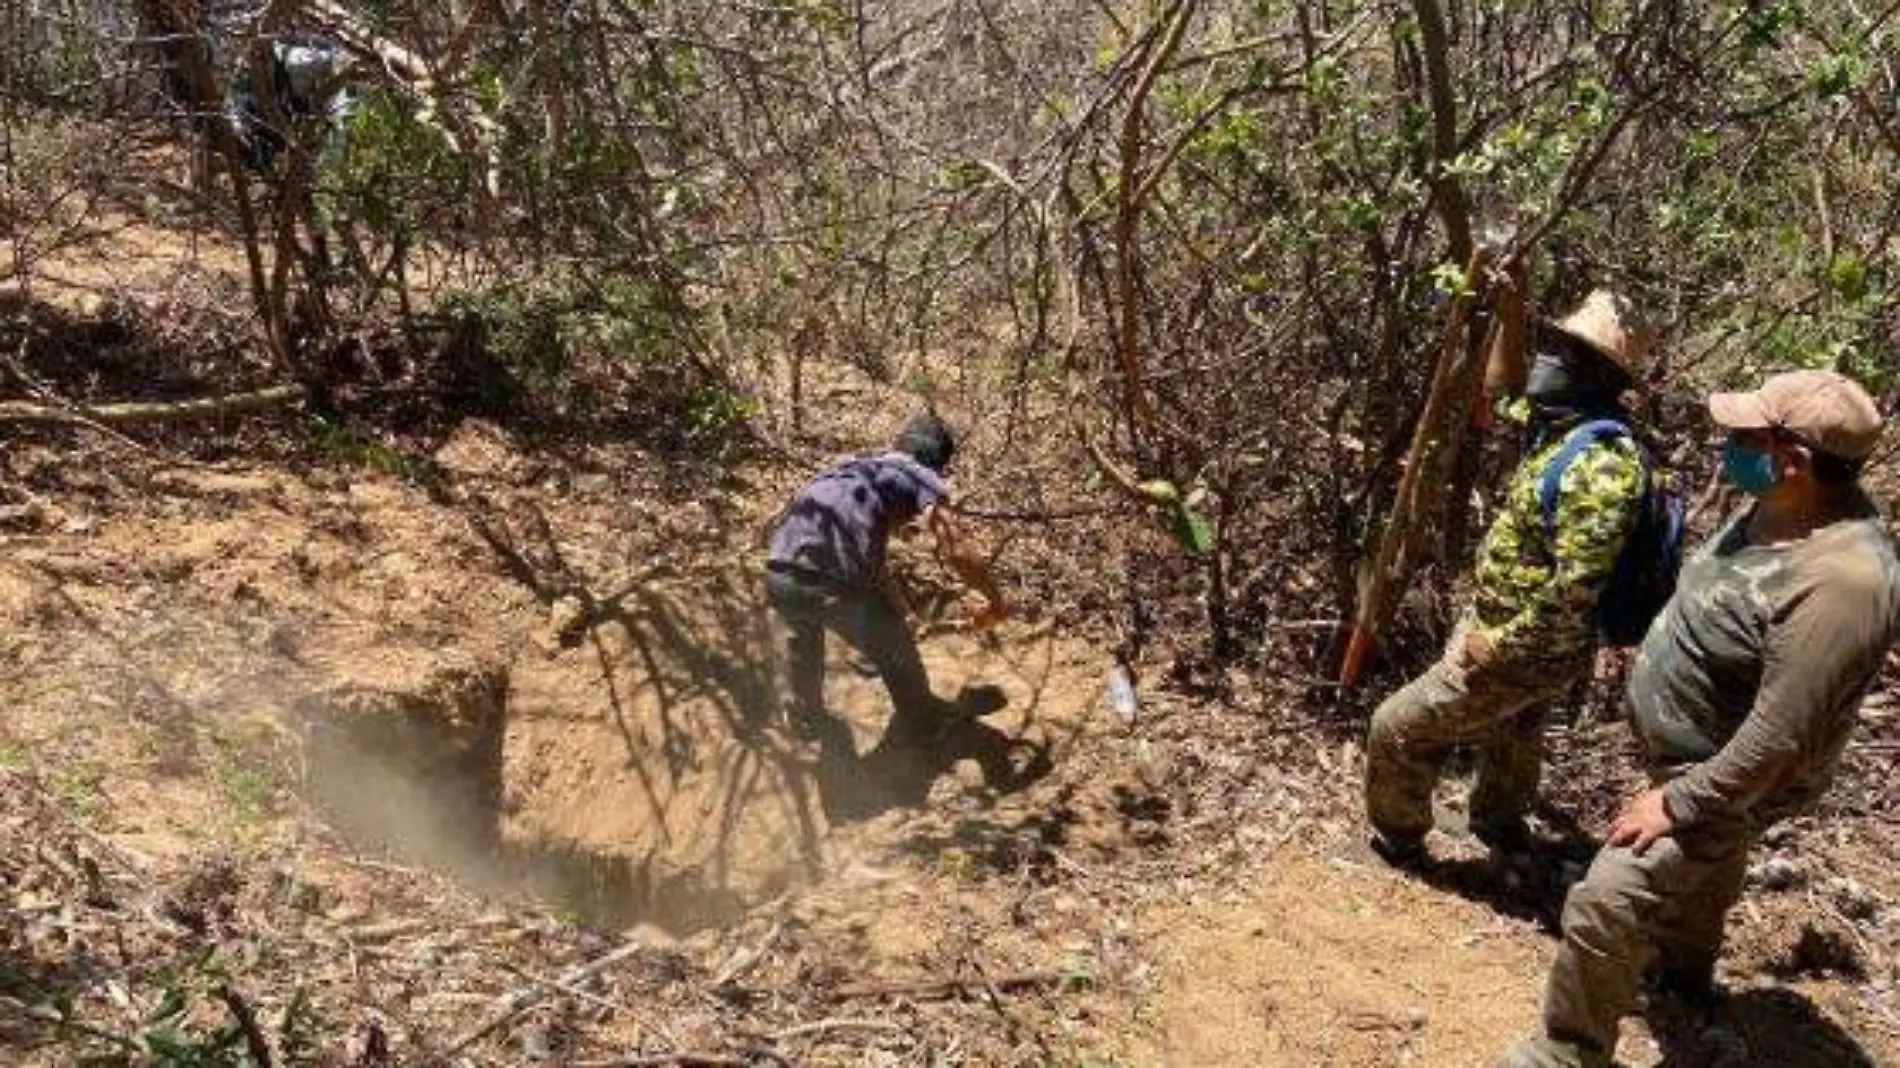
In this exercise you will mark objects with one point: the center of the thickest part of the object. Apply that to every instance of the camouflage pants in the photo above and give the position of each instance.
(1415, 730)
(1665, 906)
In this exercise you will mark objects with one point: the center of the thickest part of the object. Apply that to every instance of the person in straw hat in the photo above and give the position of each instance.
(1743, 695)
(1530, 631)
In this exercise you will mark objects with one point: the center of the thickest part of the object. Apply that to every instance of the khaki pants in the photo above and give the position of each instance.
(1663, 907)
(1416, 729)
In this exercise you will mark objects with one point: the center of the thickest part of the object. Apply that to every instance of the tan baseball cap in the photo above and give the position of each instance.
(1830, 411)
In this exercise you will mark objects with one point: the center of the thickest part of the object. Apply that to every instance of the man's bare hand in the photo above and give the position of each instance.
(1643, 820)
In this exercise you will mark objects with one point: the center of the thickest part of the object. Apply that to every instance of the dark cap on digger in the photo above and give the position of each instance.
(929, 441)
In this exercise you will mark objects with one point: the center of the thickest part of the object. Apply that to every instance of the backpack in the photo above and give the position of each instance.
(1644, 576)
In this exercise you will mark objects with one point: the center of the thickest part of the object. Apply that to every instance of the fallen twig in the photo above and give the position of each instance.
(746, 960)
(50, 1015)
(131, 412)
(839, 1023)
(136, 863)
(557, 987)
(246, 1017)
(1375, 1021)
(685, 1059)
(383, 932)
(945, 988)
(520, 1001)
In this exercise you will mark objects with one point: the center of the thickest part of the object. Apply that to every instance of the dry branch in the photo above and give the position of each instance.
(510, 1007)
(842, 1023)
(1138, 409)
(689, 1060)
(254, 1040)
(1454, 207)
(950, 988)
(131, 413)
(747, 959)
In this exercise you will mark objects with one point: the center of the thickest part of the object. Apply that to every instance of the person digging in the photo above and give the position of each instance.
(827, 569)
(1532, 629)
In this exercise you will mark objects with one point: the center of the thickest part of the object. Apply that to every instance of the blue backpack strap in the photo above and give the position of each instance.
(1581, 438)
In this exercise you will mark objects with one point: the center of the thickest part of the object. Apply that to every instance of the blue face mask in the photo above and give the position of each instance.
(1754, 471)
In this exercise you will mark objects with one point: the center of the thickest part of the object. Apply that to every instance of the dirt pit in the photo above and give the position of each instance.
(637, 773)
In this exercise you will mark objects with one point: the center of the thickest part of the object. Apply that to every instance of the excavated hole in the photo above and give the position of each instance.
(417, 775)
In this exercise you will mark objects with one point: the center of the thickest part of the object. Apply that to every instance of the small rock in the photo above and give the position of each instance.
(283, 639)
(537, 1044)
(566, 617)
(93, 306)
(593, 485)
(347, 915)
(34, 515)
(969, 778)
(1152, 765)
(1855, 900)
(324, 478)
(1825, 947)
(1777, 873)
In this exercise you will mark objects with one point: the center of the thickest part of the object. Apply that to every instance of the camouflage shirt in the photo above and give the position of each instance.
(1537, 583)
(1749, 682)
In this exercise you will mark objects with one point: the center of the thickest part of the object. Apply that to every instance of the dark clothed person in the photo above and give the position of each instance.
(839, 525)
(828, 569)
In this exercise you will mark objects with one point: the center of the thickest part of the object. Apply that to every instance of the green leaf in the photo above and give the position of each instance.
(1835, 75)
(1848, 275)
(1449, 279)
(1195, 533)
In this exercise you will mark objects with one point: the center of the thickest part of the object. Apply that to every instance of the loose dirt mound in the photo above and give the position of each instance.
(648, 756)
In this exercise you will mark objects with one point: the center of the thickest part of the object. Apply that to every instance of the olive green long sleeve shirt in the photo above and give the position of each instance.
(1746, 690)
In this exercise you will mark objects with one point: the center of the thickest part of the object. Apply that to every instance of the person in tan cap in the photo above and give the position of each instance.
(1532, 629)
(1743, 696)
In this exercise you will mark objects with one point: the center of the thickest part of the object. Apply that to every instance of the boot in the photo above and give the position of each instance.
(1689, 979)
(1503, 837)
(1406, 853)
